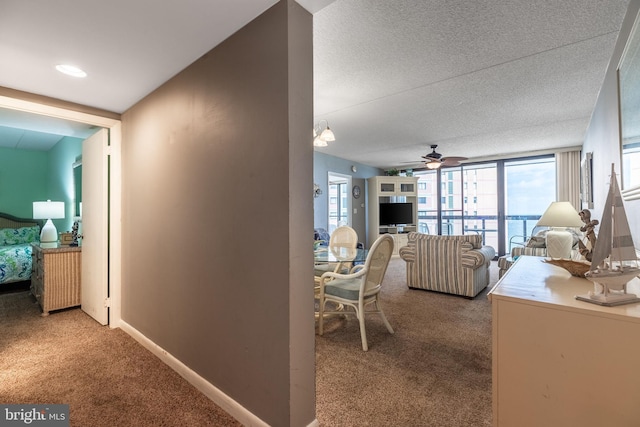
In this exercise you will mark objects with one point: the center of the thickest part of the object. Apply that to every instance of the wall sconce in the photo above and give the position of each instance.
(322, 135)
(316, 191)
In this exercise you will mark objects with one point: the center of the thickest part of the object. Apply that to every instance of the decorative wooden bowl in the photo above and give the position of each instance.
(576, 268)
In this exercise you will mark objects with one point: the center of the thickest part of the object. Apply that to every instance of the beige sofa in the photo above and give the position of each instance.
(456, 265)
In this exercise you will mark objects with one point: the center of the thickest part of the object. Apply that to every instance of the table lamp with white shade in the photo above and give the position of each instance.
(559, 216)
(48, 210)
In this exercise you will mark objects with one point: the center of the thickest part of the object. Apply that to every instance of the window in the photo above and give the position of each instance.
(339, 199)
(498, 200)
(529, 189)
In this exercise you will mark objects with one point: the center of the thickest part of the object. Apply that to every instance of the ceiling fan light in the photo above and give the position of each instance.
(328, 135)
(319, 141)
(434, 165)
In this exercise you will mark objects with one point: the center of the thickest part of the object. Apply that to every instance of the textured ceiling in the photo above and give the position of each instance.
(479, 78)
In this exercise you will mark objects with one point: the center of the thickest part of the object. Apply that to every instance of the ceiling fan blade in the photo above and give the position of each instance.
(452, 161)
(429, 158)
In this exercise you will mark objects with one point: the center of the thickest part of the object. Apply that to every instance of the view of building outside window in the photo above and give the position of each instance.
(481, 208)
(338, 205)
(427, 202)
(468, 199)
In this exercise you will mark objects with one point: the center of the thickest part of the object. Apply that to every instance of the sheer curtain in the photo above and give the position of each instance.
(568, 178)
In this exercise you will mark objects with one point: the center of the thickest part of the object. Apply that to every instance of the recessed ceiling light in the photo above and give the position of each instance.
(71, 70)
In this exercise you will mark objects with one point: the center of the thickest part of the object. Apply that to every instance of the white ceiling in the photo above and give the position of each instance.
(479, 78)
(128, 48)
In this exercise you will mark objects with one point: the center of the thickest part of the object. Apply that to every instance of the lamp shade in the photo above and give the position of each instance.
(321, 137)
(319, 141)
(560, 214)
(48, 210)
(328, 135)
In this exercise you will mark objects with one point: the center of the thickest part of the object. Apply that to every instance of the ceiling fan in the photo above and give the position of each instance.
(435, 160)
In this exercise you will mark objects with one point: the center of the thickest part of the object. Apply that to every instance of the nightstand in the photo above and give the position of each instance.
(55, 277)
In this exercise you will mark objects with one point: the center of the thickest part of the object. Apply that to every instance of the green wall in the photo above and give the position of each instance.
(60, 186)
(27, 176)
(23, 179)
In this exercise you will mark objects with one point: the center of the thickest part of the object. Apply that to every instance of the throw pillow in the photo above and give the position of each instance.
(536, 242)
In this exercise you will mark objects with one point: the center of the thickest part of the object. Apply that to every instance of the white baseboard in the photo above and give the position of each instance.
(229, 405)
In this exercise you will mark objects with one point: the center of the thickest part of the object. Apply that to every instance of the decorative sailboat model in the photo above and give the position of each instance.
(614, 261)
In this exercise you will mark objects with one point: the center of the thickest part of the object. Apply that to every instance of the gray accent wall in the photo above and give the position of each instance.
(322, 165)
(603, 135)
(216, 207)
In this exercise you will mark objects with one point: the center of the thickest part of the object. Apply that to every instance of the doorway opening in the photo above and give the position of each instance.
(339, 200)
(113, 192)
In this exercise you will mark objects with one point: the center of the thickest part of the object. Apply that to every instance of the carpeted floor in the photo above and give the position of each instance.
(434, 371)
(104, 375)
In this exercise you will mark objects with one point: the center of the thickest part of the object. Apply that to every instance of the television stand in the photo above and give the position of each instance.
(399, 233)
(391, 190)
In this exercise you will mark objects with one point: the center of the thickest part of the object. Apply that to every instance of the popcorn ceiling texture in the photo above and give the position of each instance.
(477, 78)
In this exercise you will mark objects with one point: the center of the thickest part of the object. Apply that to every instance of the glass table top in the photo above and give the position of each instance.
(331, 254)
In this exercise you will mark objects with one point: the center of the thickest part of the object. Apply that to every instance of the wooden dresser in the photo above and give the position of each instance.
(558, 361)
(55, 277)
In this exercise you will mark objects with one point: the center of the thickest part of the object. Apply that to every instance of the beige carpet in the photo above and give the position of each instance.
(105, 376)
(434, 371)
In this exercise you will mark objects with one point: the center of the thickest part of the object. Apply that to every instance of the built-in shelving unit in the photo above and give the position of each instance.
(391, 189)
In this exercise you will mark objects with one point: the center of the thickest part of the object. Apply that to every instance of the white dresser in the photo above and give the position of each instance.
(558, 361)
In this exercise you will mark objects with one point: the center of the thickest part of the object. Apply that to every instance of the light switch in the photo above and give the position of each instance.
(355, 210)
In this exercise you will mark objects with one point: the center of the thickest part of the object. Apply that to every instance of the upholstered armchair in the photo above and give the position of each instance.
(456, 265)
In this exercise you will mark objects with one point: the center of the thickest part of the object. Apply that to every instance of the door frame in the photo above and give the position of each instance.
(115, 185)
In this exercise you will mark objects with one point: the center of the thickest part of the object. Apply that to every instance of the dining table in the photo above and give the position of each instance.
(339, 255)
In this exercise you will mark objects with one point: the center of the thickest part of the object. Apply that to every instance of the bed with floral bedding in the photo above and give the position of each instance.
(16, 237)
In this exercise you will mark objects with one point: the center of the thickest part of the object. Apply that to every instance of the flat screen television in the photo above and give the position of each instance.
(396, 213)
